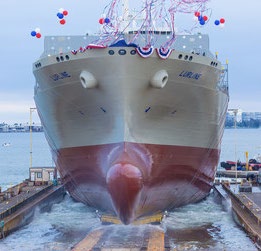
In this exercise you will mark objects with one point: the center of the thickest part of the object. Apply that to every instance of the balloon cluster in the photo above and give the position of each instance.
(103, 20)
(220, 22)
(150, 16)
(36, 33)
(201, 19)
(61, 14)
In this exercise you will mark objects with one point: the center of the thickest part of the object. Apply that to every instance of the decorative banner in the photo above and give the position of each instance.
(145, 52)
(74, 52)
(163, 53)
(95, 46)
(82, 49)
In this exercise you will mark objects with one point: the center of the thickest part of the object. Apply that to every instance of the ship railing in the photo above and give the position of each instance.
(198, 43)
(223, 81)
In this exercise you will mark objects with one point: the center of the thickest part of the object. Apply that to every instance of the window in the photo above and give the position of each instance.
(39, 175)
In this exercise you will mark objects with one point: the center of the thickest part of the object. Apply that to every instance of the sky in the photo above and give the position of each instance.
(237, 42)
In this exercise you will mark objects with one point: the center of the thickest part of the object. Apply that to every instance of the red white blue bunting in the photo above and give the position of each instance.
(82, 49)
(145, 51)
(88, 47)
(163, 53)
(74, 52)
(95, 46)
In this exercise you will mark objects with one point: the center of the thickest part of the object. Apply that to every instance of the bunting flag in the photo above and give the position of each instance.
(95, 46)
(163, 53)
(74, 52)
(145, 51)
(82, 49)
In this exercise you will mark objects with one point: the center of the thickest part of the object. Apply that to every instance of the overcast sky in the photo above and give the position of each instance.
(238, 42)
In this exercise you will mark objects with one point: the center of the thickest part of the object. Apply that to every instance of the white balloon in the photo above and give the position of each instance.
(37, 30)
(61, 10)
(222, 25)
(195, 18)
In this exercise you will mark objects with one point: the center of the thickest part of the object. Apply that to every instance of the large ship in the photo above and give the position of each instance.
(134, 129)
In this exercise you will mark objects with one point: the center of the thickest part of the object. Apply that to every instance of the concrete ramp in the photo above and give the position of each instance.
(123, 238)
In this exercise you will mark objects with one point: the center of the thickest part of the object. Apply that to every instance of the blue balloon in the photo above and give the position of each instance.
(106, 20)
(217, 22)
(60, 15)
(33, 33)
(202, 22)
(200, 18)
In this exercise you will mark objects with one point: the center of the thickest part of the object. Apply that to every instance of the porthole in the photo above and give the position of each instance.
(122, 52)
(57, 59)
(186, 57)
(133, 52)
(180, 56)
(67, 57)
(62, 58)
(111, 52)
(38, 65)
(190, 58)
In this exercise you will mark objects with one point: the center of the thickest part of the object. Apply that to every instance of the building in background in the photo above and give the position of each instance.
(243, 119)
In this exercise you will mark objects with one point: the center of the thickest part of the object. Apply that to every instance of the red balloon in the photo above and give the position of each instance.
(197, 14)
(205, 18)
(222, 20)
(65, 12)
(101, 20)
(38, 35)
(62, 21)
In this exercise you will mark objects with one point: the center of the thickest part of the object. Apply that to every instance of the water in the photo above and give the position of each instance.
(201, 226)
(15, 159)
(238, 141)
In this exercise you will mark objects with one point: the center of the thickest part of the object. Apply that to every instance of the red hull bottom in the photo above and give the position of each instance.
(132, 180)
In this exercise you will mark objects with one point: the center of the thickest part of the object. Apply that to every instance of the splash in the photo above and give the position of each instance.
(153, 17)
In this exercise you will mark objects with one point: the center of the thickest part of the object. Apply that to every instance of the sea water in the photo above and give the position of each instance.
(202, 226)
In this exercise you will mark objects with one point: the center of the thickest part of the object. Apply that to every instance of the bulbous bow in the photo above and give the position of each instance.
(124, 182)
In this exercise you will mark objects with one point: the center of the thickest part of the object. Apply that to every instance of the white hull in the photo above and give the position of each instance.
(184, 112)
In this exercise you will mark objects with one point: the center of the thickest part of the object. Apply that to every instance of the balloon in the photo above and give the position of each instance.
(62, 21)
(202, 22)
(217, 22)
(222, 20)
(106, 20)
(60, 15)
(33, 33)
(222, 25)
(65, 12)
(37, 30)
(200, 18)
(61, 10)
(101, 20)
(38, 35)
(197, 14)
(205, 18)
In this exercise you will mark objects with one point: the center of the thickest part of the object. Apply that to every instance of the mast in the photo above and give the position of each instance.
(125, 10)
